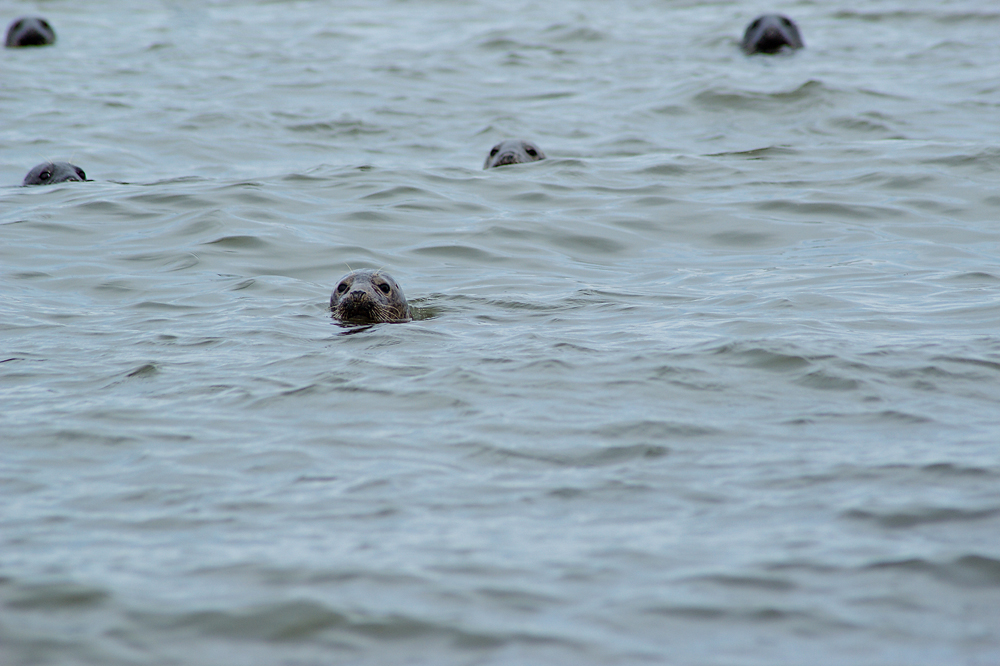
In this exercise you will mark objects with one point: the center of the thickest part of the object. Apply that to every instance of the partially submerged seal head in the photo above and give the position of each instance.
(30, 31)
(369, 297)
(770, 33)
(49, 173)
(513, 151)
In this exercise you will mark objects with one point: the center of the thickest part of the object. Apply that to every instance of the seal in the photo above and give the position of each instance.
(369, 297)
(49, 173)
(770, 33)
(513, 151)
(30, 31)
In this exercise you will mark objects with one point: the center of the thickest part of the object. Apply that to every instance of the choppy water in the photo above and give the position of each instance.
(716, 383)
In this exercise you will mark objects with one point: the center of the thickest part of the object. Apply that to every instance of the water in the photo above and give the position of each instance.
(716, 383)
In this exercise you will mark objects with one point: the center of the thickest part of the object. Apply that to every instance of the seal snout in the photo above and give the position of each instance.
(32, 37)
(357, 302)
(358, 296)
(506, 158)
(771, 39)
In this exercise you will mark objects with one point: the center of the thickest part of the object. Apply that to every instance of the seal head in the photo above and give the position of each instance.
(369, 297)
(513, 151)
(30, 31)
(49, 173)
(770, 33)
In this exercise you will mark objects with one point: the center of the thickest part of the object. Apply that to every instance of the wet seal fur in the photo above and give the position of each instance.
(49, 173)
(369, 297)
(513, 151)
(770, 33)
(30, 31)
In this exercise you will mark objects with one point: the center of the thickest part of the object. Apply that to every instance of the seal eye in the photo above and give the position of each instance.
(496, 149)
(385, 287)
(342, 287)
(531, 151)
(45, 175)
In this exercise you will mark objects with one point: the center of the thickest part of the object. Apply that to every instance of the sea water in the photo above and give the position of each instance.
(717, 383)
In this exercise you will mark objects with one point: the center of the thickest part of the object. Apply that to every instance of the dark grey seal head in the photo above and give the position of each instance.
(30, 31)
(770, 33)
(369, 297)
(49, 173)
(513, 151)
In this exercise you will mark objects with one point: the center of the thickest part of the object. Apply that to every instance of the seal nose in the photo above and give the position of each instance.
(506, 158)
(356, 303)
(31, 37)
(772, 39)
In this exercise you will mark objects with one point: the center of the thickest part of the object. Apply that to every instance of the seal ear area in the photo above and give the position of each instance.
(40, 174)
(533, 151)
(384, 284)
(493, 153)
(794, 36)
(341, 289)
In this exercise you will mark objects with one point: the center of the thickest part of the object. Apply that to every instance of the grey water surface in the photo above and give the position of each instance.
(717, 383)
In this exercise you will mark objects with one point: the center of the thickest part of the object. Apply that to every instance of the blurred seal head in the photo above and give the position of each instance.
(513, 151)
(30, 31)
(49, 173)
(770, 33)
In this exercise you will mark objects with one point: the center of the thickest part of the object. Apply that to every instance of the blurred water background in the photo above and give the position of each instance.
(718, 383)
